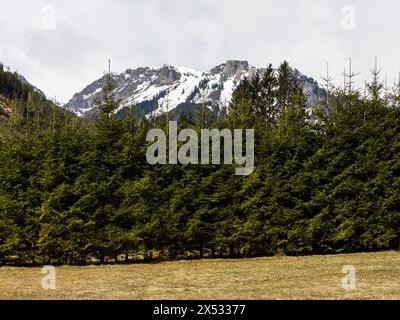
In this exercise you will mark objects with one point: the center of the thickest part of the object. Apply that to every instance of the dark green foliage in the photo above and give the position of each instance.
(78, 192)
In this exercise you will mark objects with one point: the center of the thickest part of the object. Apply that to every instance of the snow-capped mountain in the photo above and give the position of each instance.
(172, 87)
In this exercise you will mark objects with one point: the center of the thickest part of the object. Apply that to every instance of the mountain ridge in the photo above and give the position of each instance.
(175, 87)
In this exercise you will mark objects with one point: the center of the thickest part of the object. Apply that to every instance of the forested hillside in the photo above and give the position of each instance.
(76, 191)
(23, 106)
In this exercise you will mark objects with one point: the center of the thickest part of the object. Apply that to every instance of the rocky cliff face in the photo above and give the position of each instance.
(172, 87)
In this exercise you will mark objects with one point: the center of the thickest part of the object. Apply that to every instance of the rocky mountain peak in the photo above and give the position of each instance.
(232, 67)
(173, 87)
(168, 75)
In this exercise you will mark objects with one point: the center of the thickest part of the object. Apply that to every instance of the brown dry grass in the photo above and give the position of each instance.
(314, 277)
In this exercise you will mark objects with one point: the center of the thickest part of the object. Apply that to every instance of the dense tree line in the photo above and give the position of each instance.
(324, 182)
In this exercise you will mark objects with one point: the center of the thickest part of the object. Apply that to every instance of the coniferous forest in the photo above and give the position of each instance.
(78, 191)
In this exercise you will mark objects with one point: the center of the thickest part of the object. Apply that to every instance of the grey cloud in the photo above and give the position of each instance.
(199, 34)
(60, 49)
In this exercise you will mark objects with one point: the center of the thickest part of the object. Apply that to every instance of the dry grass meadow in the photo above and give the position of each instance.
(313, 277)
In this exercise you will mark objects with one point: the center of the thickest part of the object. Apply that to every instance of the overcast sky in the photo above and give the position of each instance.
(61, 46)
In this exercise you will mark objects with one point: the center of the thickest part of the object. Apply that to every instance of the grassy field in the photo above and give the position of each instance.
(314, 277)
